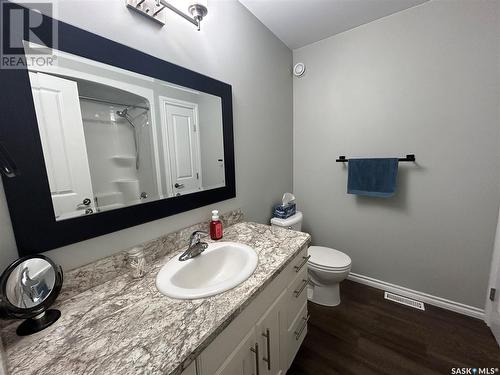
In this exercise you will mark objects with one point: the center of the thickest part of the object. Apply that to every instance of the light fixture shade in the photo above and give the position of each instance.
(198, 11)
(203, 3)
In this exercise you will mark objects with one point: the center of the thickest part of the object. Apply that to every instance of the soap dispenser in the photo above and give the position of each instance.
(215, 226)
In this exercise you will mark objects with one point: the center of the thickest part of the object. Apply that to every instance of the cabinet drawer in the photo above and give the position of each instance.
(297, 295)
(296, 333)
(297, 265)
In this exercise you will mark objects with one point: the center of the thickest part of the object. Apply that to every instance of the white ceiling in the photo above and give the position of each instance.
(301, 22)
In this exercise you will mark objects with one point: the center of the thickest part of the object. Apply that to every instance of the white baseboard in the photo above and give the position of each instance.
(419, 296)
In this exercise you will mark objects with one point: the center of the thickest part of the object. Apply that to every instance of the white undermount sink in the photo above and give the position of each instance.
(222, 266)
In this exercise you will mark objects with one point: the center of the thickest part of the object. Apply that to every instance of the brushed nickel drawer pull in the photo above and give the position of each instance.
(255, 350)
(299, 267)
(298, 292)
(301, 329)
(267, 335)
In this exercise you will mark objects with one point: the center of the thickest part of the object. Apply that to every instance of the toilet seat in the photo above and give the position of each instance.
(328, 269)
(327, 259)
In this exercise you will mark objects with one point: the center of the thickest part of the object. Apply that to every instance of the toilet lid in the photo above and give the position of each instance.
(328, 258)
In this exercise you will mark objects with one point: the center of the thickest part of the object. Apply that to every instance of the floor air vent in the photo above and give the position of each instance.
(404, 301)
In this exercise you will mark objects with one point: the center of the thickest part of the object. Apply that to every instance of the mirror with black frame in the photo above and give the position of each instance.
(106, 137)
(113, 138)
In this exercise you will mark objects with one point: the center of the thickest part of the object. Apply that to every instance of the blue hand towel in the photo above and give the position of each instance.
(372, 177)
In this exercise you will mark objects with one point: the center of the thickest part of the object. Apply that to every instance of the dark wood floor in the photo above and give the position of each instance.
(369, 335)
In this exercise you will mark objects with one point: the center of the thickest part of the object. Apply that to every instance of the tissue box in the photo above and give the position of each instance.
(284, 211)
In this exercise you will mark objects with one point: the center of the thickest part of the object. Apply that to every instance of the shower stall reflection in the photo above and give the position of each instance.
(117, 140)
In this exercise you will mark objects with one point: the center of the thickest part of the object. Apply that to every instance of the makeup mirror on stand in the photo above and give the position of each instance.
(28, 287)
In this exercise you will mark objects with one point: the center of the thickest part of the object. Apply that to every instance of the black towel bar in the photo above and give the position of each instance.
(409, 157)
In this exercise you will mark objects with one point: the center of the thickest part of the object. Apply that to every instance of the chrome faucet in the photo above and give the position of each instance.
(196, 246)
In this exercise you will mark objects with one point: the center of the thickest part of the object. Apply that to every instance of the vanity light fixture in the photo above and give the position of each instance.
(153, 9)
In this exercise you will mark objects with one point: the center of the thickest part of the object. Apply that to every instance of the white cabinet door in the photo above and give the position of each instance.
(183, 146)
(294, 335)
(268, 336)
(243, 360)
(61, 131)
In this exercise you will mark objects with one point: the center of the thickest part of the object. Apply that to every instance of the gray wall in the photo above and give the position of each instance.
(233, 47)
(423, 81)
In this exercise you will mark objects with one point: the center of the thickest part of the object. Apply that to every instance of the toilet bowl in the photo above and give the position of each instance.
(327, 268)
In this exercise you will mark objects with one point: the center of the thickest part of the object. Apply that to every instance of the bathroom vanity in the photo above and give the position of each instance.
(127, 326)
(266, 335)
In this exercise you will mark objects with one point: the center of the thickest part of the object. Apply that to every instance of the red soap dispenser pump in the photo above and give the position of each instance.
(215, 226)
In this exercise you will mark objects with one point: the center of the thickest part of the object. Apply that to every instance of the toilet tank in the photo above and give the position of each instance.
(293, 222)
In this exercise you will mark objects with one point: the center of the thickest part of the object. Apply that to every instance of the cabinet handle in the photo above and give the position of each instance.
(267, 335)
(299, 267)
(297, 292)
(255, 350)
(301, 329)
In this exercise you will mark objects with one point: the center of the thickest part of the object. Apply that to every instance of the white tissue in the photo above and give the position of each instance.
(287, 198)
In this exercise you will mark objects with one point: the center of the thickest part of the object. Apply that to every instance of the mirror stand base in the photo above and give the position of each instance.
(38, 323)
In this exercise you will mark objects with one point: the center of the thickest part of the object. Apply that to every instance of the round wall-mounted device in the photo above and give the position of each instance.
(299, 69)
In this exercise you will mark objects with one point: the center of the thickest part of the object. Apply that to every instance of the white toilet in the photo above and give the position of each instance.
(327, 267)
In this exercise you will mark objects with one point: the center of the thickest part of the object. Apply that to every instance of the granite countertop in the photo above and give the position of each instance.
(125, 326)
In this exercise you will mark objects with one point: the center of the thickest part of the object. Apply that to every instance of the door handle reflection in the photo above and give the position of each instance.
(7, 166)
